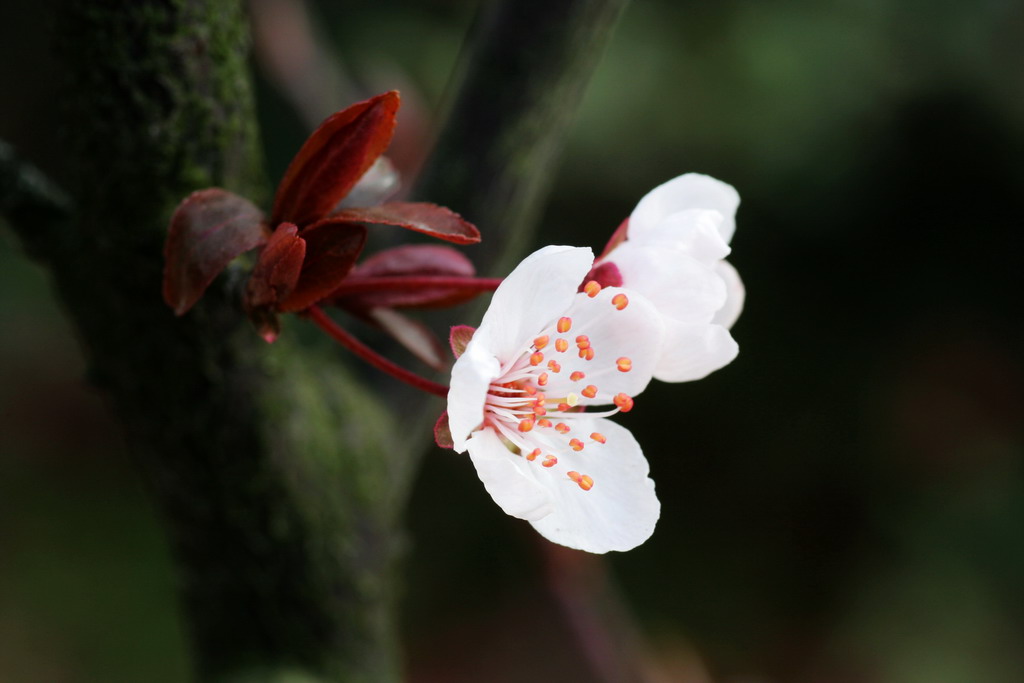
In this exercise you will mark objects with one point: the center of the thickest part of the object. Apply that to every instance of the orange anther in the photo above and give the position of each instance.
(540, 342)
(550, 461)
(575, 476)
(544, 422)
(576, 444)
(561, 345)
(537, 358)
(620, 301)
(539, 409)
(587, 353)
(583, 341)
(590, 391)
(542, 379)
(599, 437)
(624, 364)
(554, 366)
(562, 428)
(586, 482)
(564, 407)
(592, 288)
(576, 376)
(530, 389)
(532, 455)
(564, 324)
(624, 402)
(526, 424)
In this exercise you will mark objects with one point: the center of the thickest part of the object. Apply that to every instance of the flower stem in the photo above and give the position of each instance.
(338, 334)
(362, 284)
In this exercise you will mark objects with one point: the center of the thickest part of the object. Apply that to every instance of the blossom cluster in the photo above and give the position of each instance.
(568, 341)
(564, 333)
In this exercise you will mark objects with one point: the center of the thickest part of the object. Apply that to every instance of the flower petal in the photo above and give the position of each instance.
(689, 191)
(735, 295)
(693, 231)
(507, 478)
(680, 287)
(636, 332)
(471, 377)
(619, 512)
(694, 351)
(532, 297)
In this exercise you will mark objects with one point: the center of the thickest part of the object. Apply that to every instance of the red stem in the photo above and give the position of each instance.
(361, 284)
(338, 334)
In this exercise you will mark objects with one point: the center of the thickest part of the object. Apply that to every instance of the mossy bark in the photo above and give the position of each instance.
(268, 463)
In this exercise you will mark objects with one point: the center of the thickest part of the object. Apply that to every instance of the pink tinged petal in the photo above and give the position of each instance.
(680, 287)
(532, 297)
(508, 477)
(694, 351)
(635, 332)
(621, 509)
(689, 191)
(694, 231)
(471, 376)
(735, 295)
(413, 335)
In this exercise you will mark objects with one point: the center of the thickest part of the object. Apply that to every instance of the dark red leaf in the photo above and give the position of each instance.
(459, 338)
(334, 158)
(416, 259)
(207, 231)
(277, 270)
(443, 433)
(332, 248)
(430, 219)
(617, 238)
(410, 260)
(412, 334)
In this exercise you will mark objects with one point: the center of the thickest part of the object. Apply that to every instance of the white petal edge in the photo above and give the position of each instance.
(735, 295)
(694, 351)
(688, 191)
(694, 231)
(619, 512)
(471, 377)
(505, 476)
(533, 295)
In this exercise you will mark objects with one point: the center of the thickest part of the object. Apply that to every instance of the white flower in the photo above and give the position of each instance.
(542, 352)
(673, 253)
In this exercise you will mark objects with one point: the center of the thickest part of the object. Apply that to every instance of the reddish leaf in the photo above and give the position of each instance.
(332, 248)
(430, 219)
(410, 260)
(443, 433)
(277, 271)
(459, 338)
(412, 334)
(416, 259)
(334, 158)
(617, 238)
(208, 230)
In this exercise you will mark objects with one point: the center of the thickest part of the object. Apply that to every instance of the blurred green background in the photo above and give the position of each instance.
(844, 503)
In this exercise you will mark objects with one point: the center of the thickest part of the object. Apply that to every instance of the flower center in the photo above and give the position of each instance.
(534, 403)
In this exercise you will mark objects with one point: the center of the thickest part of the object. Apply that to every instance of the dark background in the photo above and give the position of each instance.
(844, 503)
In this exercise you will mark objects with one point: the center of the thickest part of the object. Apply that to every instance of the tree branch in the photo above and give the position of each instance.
(270, 465)
(523, 78)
